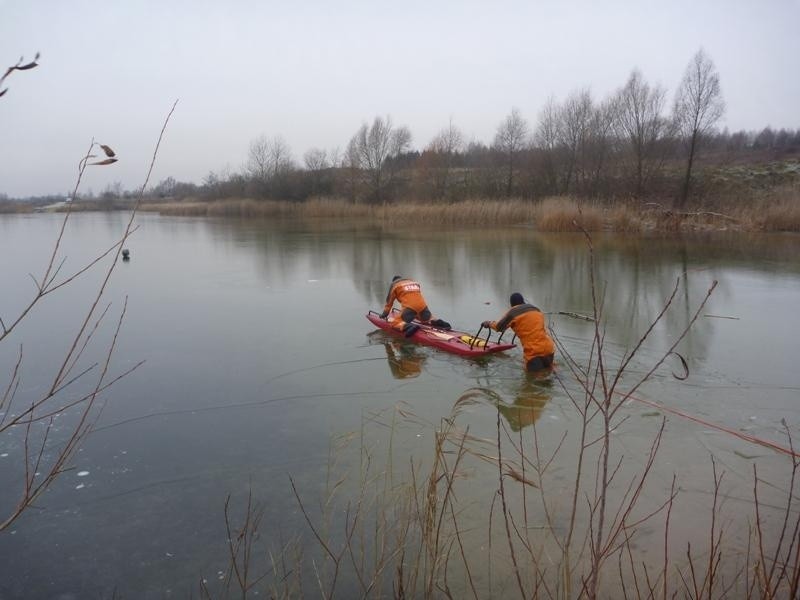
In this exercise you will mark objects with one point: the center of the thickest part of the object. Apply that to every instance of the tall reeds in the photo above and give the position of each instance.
(556, 214)
(781, 212)
(566, 214)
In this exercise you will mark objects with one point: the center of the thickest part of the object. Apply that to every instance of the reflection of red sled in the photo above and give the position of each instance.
(456, 342)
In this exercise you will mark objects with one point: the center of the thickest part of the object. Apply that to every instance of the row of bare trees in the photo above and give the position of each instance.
(579, 143)
(578, 146)
(366, 167)
(634, 143)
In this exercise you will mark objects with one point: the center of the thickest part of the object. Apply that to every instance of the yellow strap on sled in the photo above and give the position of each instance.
(473, 341)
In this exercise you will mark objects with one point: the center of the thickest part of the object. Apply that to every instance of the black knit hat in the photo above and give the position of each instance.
(516, 298)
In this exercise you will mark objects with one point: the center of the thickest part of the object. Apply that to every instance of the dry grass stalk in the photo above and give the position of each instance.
(20, 65)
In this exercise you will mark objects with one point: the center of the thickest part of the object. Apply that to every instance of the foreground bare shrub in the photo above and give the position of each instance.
(27, 423)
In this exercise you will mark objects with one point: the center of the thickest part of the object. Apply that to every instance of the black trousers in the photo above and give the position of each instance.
(537, 363)
(409, 314)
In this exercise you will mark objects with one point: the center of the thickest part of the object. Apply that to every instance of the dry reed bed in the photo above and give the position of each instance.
(778, 212)
(552, 214)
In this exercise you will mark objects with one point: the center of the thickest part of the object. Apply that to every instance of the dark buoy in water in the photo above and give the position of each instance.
(126, 254)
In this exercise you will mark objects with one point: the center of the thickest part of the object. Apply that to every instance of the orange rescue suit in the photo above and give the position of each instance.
(407, 293)
(527, 321)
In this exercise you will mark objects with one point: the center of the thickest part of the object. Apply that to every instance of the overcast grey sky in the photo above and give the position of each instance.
(314, 71)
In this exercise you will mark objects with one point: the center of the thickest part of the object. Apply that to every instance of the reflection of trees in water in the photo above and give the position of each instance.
(456, 263)
(637, 273)
(635, 278)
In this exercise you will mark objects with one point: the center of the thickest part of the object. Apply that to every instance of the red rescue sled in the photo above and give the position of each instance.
(455, 342)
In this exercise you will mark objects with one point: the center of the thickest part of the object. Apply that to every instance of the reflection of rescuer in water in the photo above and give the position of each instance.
(404, 361)
(528, 404)
(413, 306)
(527, 321)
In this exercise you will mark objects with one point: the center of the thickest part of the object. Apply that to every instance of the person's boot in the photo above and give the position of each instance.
(441, 324)
(410, 329)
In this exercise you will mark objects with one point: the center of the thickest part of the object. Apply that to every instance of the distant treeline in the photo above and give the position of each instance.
(632, 144)
(628, 145)
(729, 166)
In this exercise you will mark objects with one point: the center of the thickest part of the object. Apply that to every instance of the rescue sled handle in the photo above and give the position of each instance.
(499, 337)
(499, 340)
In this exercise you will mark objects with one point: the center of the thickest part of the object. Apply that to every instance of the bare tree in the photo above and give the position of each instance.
(546, 140)
(572, 132)
(641, 125)
(400, 144)
(165, 188)
(268, 159)
(257, 166)
(372, 146)
(698, 108)
(511, 138)
(316, 161)
(445, 146)
(335, 157)
(448, 141)
(351, 168)
(280, 157)
(598, 145)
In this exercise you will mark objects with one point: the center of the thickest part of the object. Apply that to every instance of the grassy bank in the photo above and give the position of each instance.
(780, 211)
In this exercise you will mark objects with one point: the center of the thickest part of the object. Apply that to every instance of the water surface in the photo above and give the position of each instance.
(258, 355)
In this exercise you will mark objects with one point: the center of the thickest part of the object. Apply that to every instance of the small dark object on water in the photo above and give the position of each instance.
(126, 254)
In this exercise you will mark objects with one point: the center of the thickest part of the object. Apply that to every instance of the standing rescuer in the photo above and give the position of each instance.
(527, 322)
(413, 306)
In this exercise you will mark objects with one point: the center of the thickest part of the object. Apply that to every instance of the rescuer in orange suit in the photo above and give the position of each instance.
(408, 294)
(527, 322)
